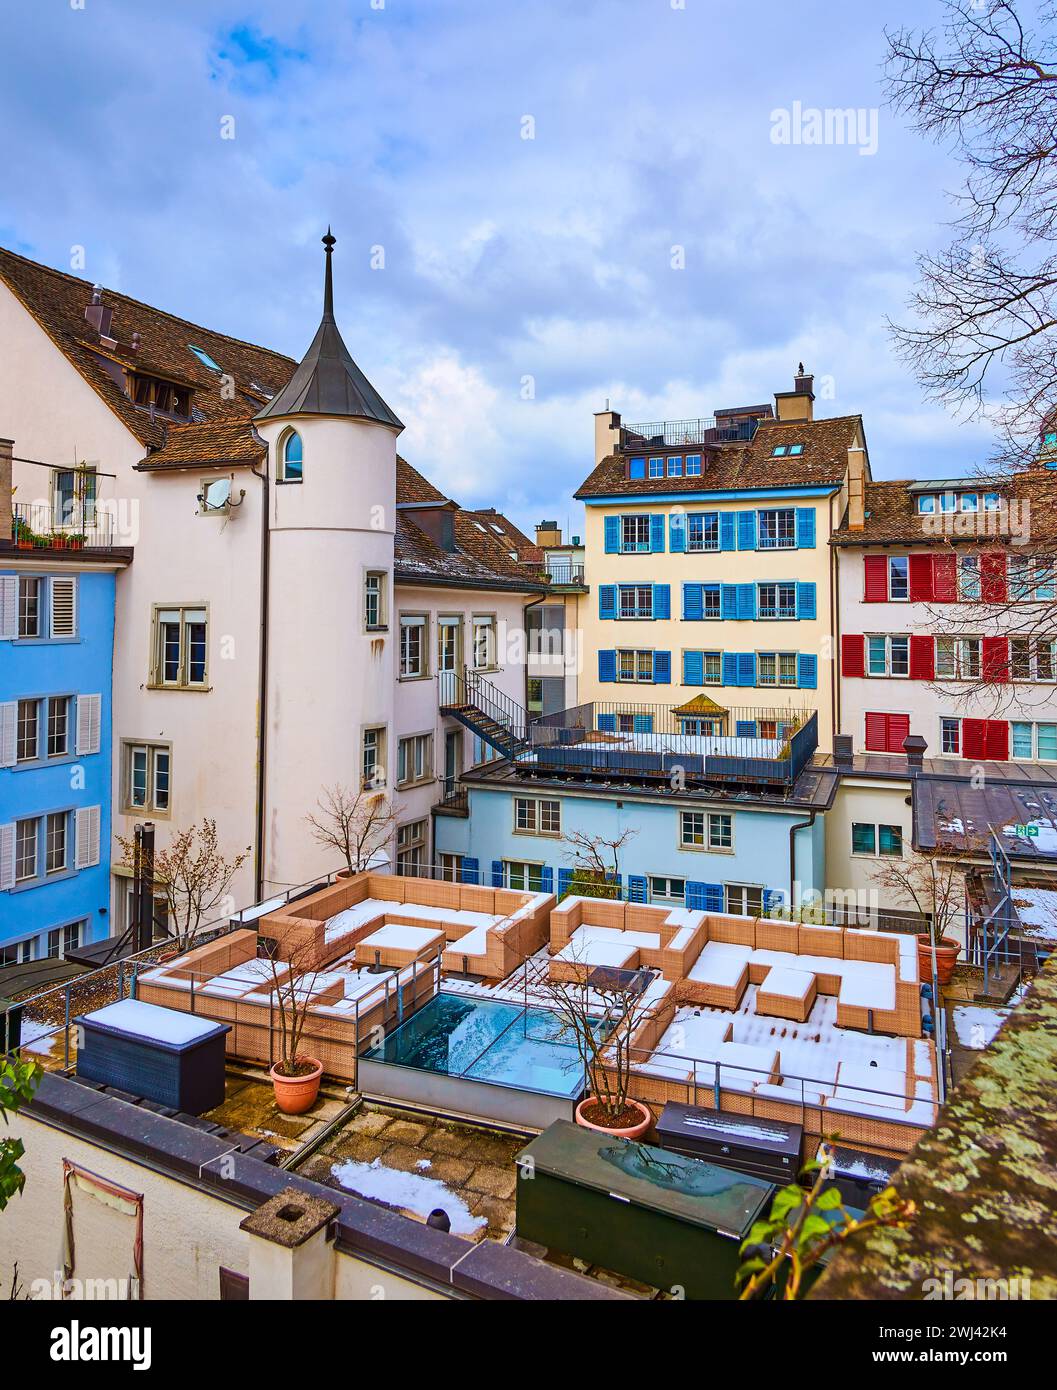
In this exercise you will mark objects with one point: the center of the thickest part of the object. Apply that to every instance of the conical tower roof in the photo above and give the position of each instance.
(328, 381)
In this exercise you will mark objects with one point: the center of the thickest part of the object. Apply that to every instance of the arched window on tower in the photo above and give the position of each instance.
(291, 458)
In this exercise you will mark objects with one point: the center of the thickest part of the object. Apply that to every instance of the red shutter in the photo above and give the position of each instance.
(996, 740)
(996, 660)
(993, 577)
(922, 658)
(875, 569)
(921, 586)
(974, 738)
(898, 732)
(853, 654)
(876, 733)
(945, 578)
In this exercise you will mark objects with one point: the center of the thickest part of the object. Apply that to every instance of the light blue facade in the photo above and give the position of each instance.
(55, 794)
(757, 859)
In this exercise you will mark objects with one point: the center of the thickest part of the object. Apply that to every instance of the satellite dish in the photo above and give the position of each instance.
(216, 495)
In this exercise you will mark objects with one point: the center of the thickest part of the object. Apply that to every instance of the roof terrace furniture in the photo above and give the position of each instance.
(787, 993)
(396, 944)
(164, 1055)
(667, 939)
(718, 977)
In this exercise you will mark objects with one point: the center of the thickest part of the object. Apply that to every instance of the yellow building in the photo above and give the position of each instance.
(709, 562)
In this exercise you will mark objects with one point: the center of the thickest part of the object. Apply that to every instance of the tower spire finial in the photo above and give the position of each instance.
(328, 283)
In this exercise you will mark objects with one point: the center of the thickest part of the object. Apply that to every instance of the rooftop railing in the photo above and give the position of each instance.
(35, 526)
(677, 434)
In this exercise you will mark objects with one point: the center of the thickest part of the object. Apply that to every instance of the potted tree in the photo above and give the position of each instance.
(295, 1075)
(599, 1011)
(933, 880)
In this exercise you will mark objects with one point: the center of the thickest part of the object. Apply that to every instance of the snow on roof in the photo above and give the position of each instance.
(153, 1022)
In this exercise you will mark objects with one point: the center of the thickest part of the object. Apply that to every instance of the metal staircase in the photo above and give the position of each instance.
(478, 706)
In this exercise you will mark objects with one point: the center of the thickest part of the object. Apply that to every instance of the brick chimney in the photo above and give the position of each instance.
(607, 433)
(799, 403)
(97, 314)
(856, 488)
(7, 448)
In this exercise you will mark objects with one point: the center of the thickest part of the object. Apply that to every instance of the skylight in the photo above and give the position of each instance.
(781, 450)
(205, 358)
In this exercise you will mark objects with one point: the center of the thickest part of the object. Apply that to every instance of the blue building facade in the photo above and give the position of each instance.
(56, 670)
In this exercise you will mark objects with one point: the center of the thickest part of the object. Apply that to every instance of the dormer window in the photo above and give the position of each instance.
(291, 458)
(166, 397)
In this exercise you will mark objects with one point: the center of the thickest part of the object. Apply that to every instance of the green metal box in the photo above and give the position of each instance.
(659, 1217)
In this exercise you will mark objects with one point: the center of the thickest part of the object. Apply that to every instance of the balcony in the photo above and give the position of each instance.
(680, 434)
(565, 574)
(34, 527)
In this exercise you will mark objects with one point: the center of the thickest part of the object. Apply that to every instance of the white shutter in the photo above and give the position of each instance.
(86, 853)
(64, 607)
(7, 856)
(8, 733)
(89, 720)
(8, 607)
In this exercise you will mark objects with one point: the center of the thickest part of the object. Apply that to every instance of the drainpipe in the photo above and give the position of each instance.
(262, 679)
(800, 825)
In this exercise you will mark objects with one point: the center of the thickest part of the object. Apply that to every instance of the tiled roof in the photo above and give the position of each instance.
(892, 517)
(411, 486)
(730, 467)
(212, 445)
(57, 301)
(476, 561)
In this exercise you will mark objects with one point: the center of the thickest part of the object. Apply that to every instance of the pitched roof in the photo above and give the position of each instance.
(700, 704)
(892, 517)
(57, 301)
(476, 562)
(732, 467)
(226, 443)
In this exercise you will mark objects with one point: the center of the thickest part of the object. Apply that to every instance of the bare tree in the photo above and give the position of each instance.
(193, 876)
(293, 980)
(596, 861)
(933, 880)
(358, 825)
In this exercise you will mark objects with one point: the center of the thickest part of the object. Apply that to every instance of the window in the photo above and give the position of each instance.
(656, 468)
(634, 534)
(948, 502)
(863, 838)
(778, 529)
(898, 577)
(950, 741)
(449, 635)
(777, 600)
(702, 531)
(667, 890)
(29, 606)
(884, 840)
(635, 600)
(636, 666)
(969, 578)
(779, 451)
(59, 726)
(414, 759)
(26, 832)
(412, 645)
(968, 657)
(147, 775)
(693, 465)
(533, 817)
(64, 939)
(1033, 659)
(375, 618)
(411, 848)
(776, 668)
(165, 396)
(927, 504)
(28, 744)
(744, 900)
(706, 830)
(992, 502)
(969, 502)
(74, 492)
(205, 358)
(528, 878)
(55, 842)
(712, 668)
(484, 643)
(675, 467)
(17, 953)
(888, 656)
(291, 458)
(451, 867)
(885, 732)
(373, 760)
(180, 647)
(1034, 741)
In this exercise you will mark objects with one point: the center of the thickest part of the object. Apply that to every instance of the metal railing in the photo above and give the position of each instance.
(565, 571)
(678, 434)
(467, 695)
(35, 526)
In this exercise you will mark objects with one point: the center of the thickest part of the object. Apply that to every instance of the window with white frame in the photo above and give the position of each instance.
(888, 656)
(30, 607)
(898, 578)
(28, 742)
(59, 725)
(484, 642)
(55, 835)
(635, 600)
(414, 759)
(776, 668)
(778, 528)
(451, 867)
(18, 952)
(634, 534)
(873, 841)
(520, 875)
(413, 662)
(537, 817)
(950, 736)
(180, 643)
(375, 617)
(744, 899)
(27, 835)
(291, 458)
(706, 830)
(635, 666)
(1033, 659)
(411, 848)
(147, 772)
(1033, 742)
(62, 940)
(969, 578)
(667, 890)
(777, 600)
(372, 763)
(449, 635)
(702, 531)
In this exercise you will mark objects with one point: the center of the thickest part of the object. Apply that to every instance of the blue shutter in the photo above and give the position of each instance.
(746, 530)
(607, 723)
(612, 535)
(806, 671)
(714, 897)
(607, 665)
(637, 889)
(470, 871)
(693, 668)
(745, 728)
(726, 531)
(657, 533)
(642, 724)
(662, 601)
(497, 873)
(693, 602)
(746, 600)
(607, 600)
(805, 528)
(565, 879)
(677, 533)
(746, 668)
(546, 879)
(730, 668)
(772, 898)
(728, 600)
(662, 668)
(704, 897)
(805, 601)
(637, 468)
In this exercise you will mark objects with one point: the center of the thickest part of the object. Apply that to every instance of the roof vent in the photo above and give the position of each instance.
(842, 750)
(97, 314)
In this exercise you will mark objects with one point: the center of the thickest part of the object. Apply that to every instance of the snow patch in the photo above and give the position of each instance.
(409, 1191)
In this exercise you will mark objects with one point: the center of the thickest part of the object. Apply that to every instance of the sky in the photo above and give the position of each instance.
(540, 206)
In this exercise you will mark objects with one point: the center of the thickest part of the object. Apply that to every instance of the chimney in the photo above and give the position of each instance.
(856, 488)
(799, 403)
(607, 433)
(438, 522)
(548, 534)
(97, 314)
(7, 448)
(842, 750)
(914, 747)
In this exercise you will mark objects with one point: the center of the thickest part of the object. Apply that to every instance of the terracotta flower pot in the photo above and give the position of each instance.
(296, 1094)
(632, 1132)
(947, 952)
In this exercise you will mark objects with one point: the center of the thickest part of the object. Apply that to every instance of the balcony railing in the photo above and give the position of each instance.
(35, 526)
(678, 434)
(565, 571)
